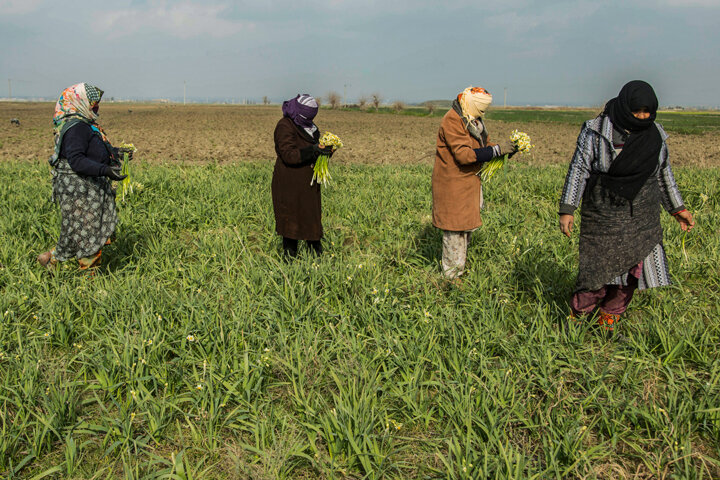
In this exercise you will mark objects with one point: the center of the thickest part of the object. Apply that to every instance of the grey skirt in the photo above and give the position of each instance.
(87, 211)
(616, 235)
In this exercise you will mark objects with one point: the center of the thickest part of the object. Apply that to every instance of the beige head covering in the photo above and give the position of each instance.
(474, 101)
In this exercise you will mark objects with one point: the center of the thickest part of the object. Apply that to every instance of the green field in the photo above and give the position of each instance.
(677, 122)
(197, 352)
(682, 122)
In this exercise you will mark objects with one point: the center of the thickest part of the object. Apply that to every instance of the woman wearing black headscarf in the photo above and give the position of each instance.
(295, 201)
(621, 173)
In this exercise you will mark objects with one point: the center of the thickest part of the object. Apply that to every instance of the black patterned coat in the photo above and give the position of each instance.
(615, 236)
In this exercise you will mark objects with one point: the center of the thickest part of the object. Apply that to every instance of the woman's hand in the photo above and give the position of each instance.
(123, 151)
(113, 173)
(685, 219)
(323, 150)
(566, 224)
(508, 148)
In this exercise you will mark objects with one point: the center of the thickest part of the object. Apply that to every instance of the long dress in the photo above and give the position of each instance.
(86, 199)
(296, 203)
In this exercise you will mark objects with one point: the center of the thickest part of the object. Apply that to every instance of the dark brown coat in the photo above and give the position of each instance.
(456, 190)
(296, 204)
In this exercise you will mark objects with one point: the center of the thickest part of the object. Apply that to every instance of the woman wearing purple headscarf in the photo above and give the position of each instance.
(295, 201)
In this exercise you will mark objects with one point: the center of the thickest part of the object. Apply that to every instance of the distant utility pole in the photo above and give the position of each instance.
(184, 92)
(505, 99)
(9, 89)
(345, 94)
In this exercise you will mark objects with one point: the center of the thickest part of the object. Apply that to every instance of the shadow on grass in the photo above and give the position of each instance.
(544, 282)
(126, 248)
(426, 248)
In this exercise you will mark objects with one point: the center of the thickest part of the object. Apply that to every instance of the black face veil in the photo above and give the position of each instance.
(639, 157)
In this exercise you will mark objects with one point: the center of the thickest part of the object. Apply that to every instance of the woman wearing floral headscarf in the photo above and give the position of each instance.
(295, 201)
(462, 147)
(83, 164)
(621, 173)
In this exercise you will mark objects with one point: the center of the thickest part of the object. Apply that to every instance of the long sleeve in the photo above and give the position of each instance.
(75, 145)
(460, 145)
(670, 196)
(485, 154)
(288, 150)
(578, 173)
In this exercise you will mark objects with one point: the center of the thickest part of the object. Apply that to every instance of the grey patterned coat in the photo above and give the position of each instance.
(595, 153)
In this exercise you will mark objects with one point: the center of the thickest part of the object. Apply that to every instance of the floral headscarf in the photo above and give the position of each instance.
(76, 104)
(78, 101)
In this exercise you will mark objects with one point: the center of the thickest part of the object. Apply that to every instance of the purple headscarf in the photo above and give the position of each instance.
(301, 110)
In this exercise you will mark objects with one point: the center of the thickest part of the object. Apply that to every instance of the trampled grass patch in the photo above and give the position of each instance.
(196, 351)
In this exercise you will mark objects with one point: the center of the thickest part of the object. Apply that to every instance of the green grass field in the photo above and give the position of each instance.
(197, 352)
(682, 122)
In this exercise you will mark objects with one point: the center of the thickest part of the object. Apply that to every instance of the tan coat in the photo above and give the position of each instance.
(456, 190)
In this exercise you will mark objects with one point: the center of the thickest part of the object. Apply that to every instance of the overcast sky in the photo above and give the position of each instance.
(574, 52)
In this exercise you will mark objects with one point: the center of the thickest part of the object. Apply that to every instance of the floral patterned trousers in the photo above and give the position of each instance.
(454, 256)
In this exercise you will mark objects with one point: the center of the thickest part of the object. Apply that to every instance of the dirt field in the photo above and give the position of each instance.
(215, 133)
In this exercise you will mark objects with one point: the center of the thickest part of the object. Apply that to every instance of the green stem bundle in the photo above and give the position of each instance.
(321, 173)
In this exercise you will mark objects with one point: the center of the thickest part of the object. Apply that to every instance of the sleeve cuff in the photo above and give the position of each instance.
(307, 155)
(484, 154)
(566, 209)
(677, 210)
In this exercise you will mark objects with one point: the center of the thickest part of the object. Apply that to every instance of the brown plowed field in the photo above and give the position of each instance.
(224, 133)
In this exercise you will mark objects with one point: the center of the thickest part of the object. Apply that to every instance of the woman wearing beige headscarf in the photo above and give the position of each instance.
(462, 148)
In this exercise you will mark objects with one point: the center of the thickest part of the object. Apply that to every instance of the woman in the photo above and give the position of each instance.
(295, 201)
(84, 162)
(621, 173)
(462, 148)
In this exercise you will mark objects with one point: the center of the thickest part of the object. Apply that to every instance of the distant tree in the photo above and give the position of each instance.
(430, 107)
(334, 99)
(362, 102)
(266, 100)
(376, 100)
(399, 106)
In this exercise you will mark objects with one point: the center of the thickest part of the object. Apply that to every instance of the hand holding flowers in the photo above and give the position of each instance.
(321, 174)
(521, 144)
(126, 151)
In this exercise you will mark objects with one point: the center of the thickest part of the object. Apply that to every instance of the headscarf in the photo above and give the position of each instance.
(77, 104)
(632, 97)
(471, 105)
(78, 101)
(301, 110)
(639, 156)
(474, 101)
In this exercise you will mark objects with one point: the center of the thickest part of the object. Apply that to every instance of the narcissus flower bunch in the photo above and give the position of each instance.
(321, 174)
(126, 185)
(521, 140)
